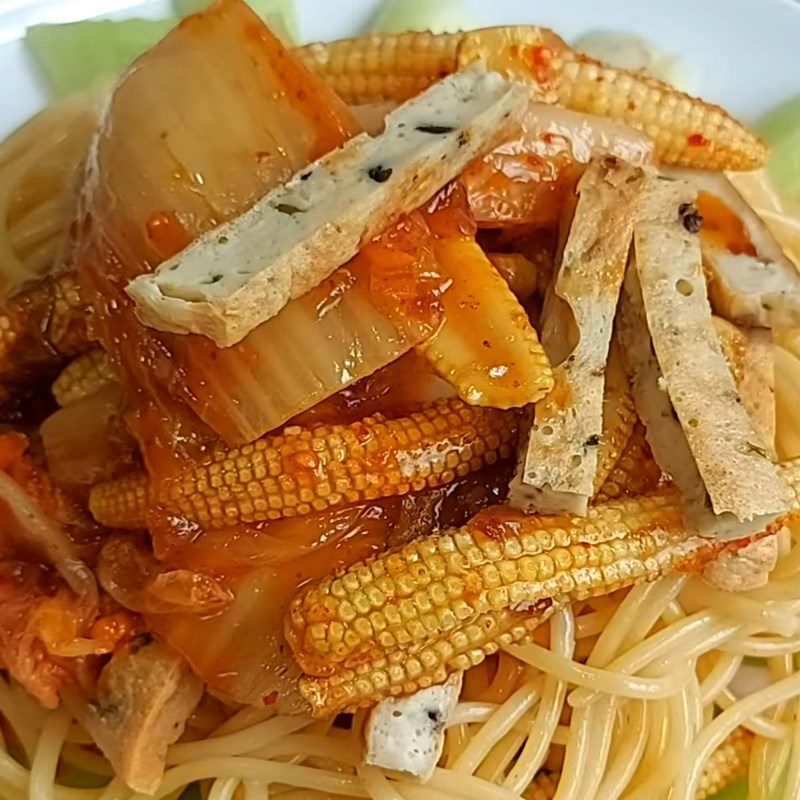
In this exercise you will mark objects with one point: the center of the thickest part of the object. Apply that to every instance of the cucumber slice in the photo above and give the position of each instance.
(781, 130)
(268, 10)
(75, 55)
(443, 16)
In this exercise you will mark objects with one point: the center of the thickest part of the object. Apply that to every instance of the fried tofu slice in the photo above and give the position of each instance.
(751, 279)
(750, 354)
(745, 569)
(685, 393)
(406, 734)
(143, 700)
(559, 458)
(240, 274)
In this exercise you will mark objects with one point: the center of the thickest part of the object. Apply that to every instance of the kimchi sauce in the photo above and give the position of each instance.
(722, 227)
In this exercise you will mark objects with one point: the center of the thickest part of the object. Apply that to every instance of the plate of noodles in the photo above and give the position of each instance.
(406, 416)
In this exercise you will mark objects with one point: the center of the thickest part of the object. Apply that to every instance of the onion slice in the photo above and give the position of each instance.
(35, 529)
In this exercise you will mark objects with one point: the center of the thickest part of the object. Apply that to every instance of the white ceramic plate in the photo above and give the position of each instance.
(744, 53)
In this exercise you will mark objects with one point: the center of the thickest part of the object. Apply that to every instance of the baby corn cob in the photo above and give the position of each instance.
(728, 764)
(684, 129)
(424, 595)
(635, 472)
(619, 417)
(486, 347)
(378, 67)
(404, 671)
(84, 376)
(303, 470)
(122, 502)
(39, 329)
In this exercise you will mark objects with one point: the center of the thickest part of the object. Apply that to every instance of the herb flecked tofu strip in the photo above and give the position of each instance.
(240, 274)
(697, 426)
(558, 460)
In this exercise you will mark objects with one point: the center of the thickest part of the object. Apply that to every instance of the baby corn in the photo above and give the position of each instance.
(619, 417)
(83, 377)
(635, 473)
(378, 67)
(404, 671)
(486, 347)
(39, 329)
(685, 130)
(347, 629)
(303, 470)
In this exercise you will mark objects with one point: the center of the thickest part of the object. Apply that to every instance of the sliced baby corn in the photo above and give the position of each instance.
(84, 376)
(635, 472)
(619, 417)
(559, 458)
(405, 619)
(498, 560)
(303, 470)
(379, 67)
(685, 130)
(486, 347)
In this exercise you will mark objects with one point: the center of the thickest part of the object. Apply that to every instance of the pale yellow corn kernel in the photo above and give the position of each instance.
(728, 764)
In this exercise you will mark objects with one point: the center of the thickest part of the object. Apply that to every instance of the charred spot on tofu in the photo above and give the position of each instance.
(690, 217)
(380, 174)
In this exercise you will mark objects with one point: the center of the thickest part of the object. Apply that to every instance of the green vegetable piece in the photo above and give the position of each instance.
(442, 16)
(75, 55)
(781, 130)
(280, 15)
(736, 791)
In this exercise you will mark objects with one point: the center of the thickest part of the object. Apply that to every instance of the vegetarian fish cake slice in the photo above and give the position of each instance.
(685, 394)
(559, 459)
